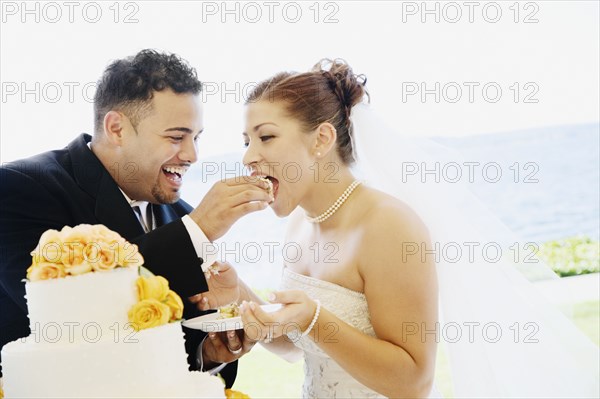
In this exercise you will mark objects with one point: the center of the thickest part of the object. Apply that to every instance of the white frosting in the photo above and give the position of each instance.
(101, 356)
(148, 363)
(77, 308)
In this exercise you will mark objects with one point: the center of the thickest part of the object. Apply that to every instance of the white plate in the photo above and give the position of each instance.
(212, 323)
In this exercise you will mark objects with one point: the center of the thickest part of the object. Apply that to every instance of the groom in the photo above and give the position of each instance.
(128, 176)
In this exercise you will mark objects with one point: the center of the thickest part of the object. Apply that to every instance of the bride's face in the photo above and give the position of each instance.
(278, 149)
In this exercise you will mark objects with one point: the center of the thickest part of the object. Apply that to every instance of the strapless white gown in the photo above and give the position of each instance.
(323, 377)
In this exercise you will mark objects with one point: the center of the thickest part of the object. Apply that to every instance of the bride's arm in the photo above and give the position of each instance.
(401, 292)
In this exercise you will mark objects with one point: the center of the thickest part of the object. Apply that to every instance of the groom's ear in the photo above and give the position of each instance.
(325, 139)
(113, 127)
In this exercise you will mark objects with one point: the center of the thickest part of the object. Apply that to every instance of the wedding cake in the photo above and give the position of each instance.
(97, 328)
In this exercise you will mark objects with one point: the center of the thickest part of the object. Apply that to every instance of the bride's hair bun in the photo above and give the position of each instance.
(348, 87)
(325, 94)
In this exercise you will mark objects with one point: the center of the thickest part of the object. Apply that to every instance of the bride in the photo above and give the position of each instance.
(361, 297)
(347, 292)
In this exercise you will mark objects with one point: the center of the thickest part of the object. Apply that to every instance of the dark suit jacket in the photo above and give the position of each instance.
(71, 187)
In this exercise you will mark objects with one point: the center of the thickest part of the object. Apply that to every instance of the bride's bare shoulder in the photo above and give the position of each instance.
(388, 216)
(389, 228)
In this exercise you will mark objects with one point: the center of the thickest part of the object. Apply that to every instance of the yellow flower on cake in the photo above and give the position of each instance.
(73, 257)
(231, 394)
(152, 292)
(82, 249)
(49, 248)
(149, 313)
(155, 287)
(175, 304)
(99, 232)
(128, 255)
(124, 253)
(45, 271)
(101, 256)
(80, 234)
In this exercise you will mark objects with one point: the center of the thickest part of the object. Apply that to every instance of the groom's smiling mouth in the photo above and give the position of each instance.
(174, 173)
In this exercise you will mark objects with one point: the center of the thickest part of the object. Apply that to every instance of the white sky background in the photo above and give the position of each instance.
(559, 55)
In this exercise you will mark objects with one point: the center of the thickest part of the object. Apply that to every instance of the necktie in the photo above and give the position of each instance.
(146, 222)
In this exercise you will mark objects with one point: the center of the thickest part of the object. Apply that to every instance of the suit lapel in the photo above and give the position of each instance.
(112, 210)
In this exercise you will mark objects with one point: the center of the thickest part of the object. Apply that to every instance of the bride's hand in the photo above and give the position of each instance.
(223, 288)
(296, 315)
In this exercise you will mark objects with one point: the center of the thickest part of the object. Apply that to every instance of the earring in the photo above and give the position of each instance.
(318, 154)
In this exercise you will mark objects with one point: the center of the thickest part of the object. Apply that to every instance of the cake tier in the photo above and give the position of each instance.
(148, 363)
(76, 308)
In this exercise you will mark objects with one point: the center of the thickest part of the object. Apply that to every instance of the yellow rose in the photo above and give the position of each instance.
(101, 255)
(132, 257)
(231, 394)
(128, 254)
(155, 287)
(81, 233)
(49, 248)
(175, 304)
(103, 233)
(73, 257)
(45, 271)
(148, 313)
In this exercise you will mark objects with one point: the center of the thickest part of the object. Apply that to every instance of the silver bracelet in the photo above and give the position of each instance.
(314, 320)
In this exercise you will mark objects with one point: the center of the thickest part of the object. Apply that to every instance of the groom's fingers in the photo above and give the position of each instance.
(216, 343)
(241, 180)
(233, 341)
(226, 202)
(203, 301)
(249, 207)
(249, 196)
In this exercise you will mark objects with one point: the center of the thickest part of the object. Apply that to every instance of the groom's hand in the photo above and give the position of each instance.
(223, 289)
(227, 201)
(225, 347)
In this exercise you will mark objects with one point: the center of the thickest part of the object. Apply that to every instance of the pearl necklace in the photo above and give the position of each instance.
(336, 205)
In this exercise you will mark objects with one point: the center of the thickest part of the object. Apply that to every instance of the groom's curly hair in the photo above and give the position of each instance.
(128, 84)
(327, 93)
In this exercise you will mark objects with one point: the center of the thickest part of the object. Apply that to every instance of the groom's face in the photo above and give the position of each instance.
(161, 148)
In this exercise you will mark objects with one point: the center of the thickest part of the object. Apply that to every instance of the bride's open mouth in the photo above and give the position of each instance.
(274, 185)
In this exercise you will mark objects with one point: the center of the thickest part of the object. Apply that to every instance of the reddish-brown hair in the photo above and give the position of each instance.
(325, 94)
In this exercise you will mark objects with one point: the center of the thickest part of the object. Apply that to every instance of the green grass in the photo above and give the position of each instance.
(262, 374)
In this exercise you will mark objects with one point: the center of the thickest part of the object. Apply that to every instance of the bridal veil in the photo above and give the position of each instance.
(502, 337)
